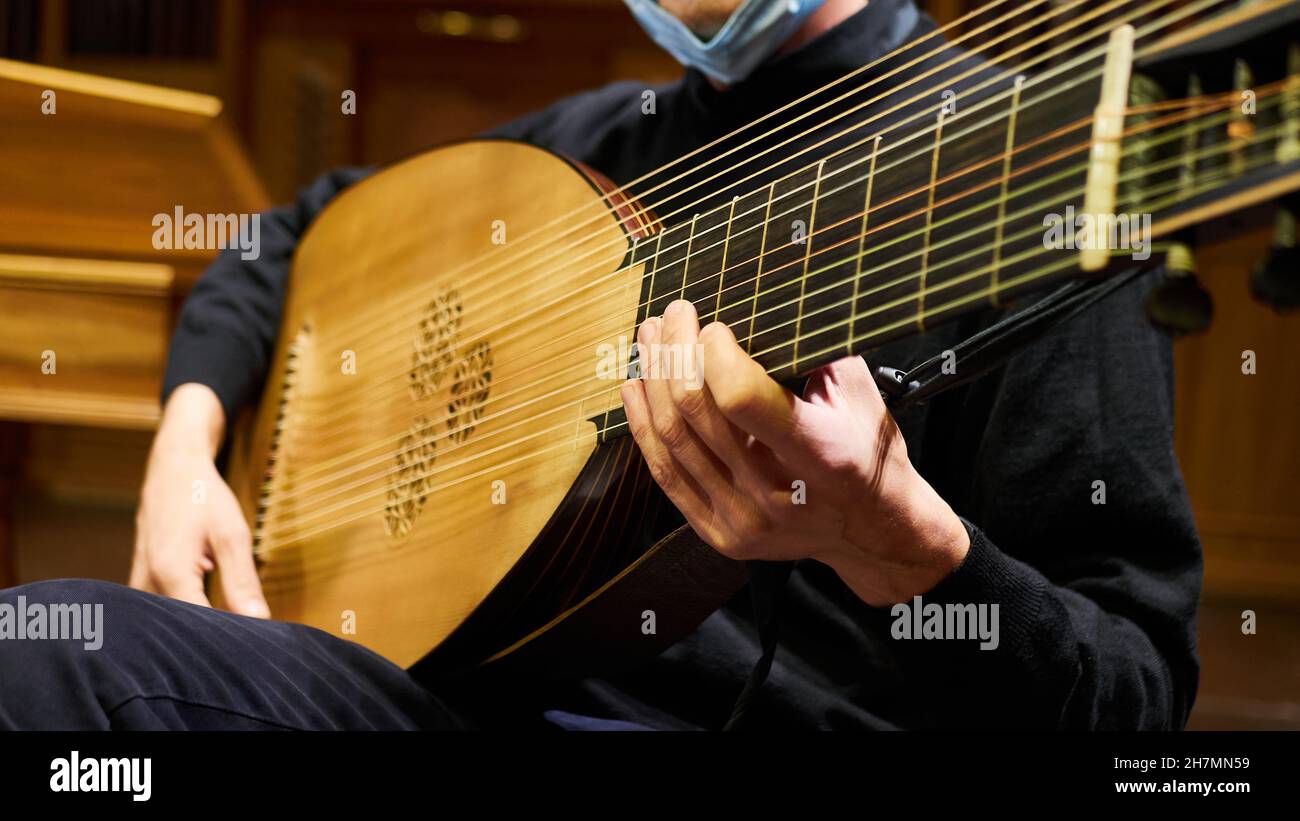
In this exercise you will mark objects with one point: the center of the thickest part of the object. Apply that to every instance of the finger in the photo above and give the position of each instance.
(752, 400)
(847, 381)
(671, 477)
(181, 582)
(670, 427)
(139, 577)
(233, 546)
(694, 402)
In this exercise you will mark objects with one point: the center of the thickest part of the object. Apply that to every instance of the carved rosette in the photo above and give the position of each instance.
(469, 391)
(408, 483)
(433, 358)
(435, 342)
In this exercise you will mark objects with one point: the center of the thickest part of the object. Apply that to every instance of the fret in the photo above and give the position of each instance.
(929, 220)
(1031, 197)
(686, 263)
(648, 292)
(668, 278)
(704, 265)
(891, 253)
(1003, 187)
(645, 250)
(862, 244)
(826, 304)
(803, 280)
(722, 273)
(744, 236)
(974, 205)
(758, 275)
(778, 306)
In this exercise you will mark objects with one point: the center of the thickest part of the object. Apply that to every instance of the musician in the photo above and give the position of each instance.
(1049, 488)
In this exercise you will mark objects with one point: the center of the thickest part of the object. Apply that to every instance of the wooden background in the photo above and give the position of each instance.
(426, 72)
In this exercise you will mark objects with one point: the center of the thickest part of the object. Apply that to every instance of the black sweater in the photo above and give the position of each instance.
(1097, 602)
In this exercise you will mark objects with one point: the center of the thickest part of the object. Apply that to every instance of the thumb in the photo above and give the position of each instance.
(849, 379)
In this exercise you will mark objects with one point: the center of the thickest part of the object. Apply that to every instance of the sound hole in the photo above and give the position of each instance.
(436, 354)
(435, 340)
(408, 484)
(469, 391)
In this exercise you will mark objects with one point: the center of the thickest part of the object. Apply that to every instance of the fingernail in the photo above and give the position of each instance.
(649, 331)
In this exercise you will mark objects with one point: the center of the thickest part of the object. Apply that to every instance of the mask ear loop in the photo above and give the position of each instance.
(679, 36)
(748, 8)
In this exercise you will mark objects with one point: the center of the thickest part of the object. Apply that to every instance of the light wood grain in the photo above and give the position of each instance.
(407, 233)
(1237, 437)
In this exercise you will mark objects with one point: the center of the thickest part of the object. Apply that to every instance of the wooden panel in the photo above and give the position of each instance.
(1237, 436)
(83, 340)
(92, 175)
(77, 495)
(421, 81)
(1248, 681)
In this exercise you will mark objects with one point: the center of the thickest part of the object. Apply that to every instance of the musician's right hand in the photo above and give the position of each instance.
(189, 522)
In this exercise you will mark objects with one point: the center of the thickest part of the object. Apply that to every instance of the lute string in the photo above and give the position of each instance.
(501, 397)
(536, 262)
(1204, 185)
(599, 206)
(516, 320)
(1202, 108)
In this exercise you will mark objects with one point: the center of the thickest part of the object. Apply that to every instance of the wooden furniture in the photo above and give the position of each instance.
(88, 300)
(1237, 434)
(423, 73)
(193, 46)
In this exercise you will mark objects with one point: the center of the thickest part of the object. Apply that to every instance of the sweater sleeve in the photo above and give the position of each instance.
(227, 328)
(1085, 540)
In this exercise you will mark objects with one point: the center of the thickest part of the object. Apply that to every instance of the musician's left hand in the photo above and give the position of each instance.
(731, 449)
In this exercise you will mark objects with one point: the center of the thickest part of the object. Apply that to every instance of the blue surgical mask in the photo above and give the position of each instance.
(753, 33)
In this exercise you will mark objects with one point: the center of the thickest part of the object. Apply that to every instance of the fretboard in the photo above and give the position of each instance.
(829, 247)
(887, 236)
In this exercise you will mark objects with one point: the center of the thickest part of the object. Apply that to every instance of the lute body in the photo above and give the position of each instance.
(465, 488)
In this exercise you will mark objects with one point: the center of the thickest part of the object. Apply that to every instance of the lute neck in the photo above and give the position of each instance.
(913, 219)
(886, 237)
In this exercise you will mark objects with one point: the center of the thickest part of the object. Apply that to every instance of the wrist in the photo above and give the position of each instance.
(192, 421)
(922, 544)
(944, 541)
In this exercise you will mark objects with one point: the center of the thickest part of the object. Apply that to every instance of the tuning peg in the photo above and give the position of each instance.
(1276, 280)
(1179, 304)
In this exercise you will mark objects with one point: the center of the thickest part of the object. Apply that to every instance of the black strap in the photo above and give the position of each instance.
(992, 347)
(979, 354)
(766, 583)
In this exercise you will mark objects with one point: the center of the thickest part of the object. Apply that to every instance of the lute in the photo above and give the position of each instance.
(439, 466)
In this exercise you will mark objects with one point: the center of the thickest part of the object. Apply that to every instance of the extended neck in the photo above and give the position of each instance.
(883, 238)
